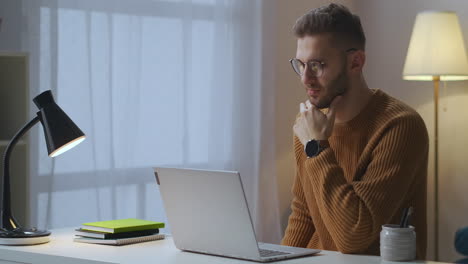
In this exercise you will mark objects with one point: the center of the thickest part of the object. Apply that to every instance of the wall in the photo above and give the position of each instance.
(388, 26)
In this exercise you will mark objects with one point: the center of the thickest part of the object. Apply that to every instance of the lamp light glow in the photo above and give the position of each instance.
(67, 147)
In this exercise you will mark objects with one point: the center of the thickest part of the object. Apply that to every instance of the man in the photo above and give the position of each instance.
(362, 161)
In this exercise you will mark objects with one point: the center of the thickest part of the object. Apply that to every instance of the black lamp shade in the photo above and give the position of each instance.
(60, 131)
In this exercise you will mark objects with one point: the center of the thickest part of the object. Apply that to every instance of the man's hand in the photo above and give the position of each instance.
(313, 124)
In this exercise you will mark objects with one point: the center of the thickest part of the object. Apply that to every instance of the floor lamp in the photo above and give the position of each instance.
(436, 53)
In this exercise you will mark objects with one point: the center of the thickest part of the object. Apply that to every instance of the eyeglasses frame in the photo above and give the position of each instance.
(321, 63)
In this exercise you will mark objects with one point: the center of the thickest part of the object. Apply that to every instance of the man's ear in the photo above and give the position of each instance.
(357, 60)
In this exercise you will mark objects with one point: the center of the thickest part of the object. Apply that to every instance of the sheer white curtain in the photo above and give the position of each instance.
(171, 83)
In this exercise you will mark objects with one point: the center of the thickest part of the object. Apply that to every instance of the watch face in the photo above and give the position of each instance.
(312, 148)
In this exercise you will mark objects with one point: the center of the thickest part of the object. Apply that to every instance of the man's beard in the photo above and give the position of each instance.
(336, 87)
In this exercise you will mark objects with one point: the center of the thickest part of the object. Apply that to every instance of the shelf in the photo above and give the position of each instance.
(14, 109)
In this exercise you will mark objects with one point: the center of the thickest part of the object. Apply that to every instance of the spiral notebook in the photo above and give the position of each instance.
(119, 241)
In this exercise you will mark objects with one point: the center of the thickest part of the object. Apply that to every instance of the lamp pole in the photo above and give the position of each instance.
(436, 80)
(6, 217)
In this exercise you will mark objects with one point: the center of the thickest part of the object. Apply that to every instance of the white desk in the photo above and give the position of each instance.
(62, 249)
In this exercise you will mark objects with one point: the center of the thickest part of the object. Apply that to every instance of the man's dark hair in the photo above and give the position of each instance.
(345, 27)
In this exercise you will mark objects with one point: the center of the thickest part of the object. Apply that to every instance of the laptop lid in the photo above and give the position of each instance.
(207, 212)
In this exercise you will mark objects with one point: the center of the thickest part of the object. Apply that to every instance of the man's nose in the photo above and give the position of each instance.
(308, 78)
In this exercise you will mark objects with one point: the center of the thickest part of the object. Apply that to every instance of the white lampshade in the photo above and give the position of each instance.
(436, 48)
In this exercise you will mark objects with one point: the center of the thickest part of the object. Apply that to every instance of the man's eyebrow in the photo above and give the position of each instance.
(319, 59)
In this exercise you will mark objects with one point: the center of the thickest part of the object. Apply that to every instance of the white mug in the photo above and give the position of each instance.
(397, 244)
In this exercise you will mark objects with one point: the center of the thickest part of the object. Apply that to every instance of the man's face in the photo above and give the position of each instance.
(334, 80)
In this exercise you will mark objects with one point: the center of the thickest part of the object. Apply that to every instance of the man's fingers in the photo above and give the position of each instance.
(308, 104)
(302, 108)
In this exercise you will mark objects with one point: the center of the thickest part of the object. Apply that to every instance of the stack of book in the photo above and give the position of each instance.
(119, 232)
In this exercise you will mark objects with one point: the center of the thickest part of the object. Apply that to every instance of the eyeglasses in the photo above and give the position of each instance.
(315, 67)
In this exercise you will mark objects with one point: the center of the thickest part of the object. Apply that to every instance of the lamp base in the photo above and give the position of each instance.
(23, 236)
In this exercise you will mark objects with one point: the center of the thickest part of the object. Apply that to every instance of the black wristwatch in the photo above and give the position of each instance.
(314, 147)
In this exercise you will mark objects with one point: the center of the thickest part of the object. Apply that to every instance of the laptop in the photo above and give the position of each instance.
(208, 213)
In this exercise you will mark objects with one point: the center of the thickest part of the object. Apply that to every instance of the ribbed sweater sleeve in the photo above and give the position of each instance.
(355, 211)
(300, 226)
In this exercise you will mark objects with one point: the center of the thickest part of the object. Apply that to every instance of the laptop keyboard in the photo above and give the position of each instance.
(271, 253)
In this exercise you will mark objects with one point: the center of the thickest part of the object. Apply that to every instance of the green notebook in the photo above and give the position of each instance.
(122, 225)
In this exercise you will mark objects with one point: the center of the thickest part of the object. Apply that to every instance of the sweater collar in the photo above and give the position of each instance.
(362, 119)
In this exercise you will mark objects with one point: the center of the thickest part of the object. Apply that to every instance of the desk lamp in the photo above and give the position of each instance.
(61, 134)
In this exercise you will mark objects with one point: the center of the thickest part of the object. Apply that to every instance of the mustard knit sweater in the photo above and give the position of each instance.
(375, 167)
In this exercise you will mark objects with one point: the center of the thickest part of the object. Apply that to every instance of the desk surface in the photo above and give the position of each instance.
(62, 249)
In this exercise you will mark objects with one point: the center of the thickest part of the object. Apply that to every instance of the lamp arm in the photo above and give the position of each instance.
(7, 220)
